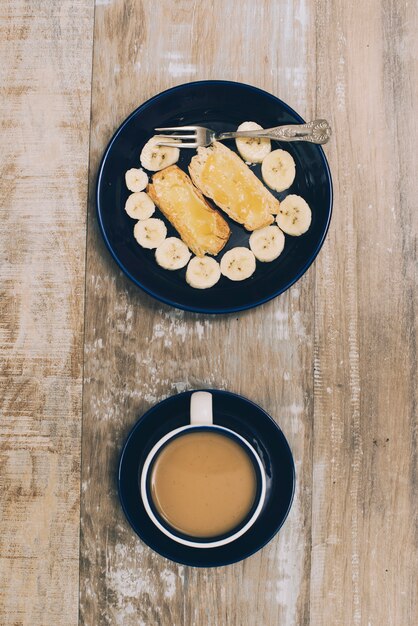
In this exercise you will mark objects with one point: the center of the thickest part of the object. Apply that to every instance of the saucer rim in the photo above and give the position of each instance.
(207, 551)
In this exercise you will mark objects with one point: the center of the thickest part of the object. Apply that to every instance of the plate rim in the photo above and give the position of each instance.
(151, 410)
(174, 303)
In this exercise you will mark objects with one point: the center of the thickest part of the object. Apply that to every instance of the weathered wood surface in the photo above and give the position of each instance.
(342, 342)
(364, 518)
(138, 351)
(45, 82)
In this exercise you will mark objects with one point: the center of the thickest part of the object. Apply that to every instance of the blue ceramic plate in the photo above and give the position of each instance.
(218, 105)
(236, 413)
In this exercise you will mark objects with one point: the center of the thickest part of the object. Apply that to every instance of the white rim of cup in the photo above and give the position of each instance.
(187, 542)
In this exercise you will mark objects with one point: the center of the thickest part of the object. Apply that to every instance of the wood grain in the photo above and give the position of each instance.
(338, 351)
(45, 51)
(364, 554)
(138, 351)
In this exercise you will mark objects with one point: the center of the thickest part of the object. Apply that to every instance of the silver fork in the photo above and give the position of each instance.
(318, 131)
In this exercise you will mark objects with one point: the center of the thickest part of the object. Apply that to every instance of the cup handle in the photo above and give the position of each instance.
(201, 408)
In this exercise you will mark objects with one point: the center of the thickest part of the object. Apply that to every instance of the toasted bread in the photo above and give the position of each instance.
(201, 228)
(222, 176)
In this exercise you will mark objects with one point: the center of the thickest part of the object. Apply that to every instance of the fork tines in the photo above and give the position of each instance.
(177, 128)
(175, 144)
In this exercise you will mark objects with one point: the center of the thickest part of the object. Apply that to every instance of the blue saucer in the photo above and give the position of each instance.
(236, 413)
(218, 105)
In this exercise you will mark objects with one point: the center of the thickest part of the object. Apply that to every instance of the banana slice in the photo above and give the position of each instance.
(172, 254)
(278, 170)
(267, 243)
(238, 263)
(252, 149)
(155, 158)
(150, 233)
(294, 216)
(139, 206)
(203, 272)
(136, 179)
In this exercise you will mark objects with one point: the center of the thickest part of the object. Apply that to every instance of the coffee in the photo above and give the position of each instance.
(203, 484)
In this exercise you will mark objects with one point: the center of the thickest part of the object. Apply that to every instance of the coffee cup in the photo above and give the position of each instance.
(203, 485)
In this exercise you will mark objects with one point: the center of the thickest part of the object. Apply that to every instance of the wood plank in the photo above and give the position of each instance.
(133, 344)
(45, 70)
(364, 557)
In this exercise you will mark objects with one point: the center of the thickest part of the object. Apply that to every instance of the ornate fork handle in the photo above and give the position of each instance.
(318, 131)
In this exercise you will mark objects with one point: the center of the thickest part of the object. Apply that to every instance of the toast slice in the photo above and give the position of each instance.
(223, 176)
(202, 229)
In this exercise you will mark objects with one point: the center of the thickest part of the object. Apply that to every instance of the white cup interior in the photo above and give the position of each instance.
(201, 416)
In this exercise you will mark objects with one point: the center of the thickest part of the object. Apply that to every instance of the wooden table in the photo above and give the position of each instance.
(84, 352)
